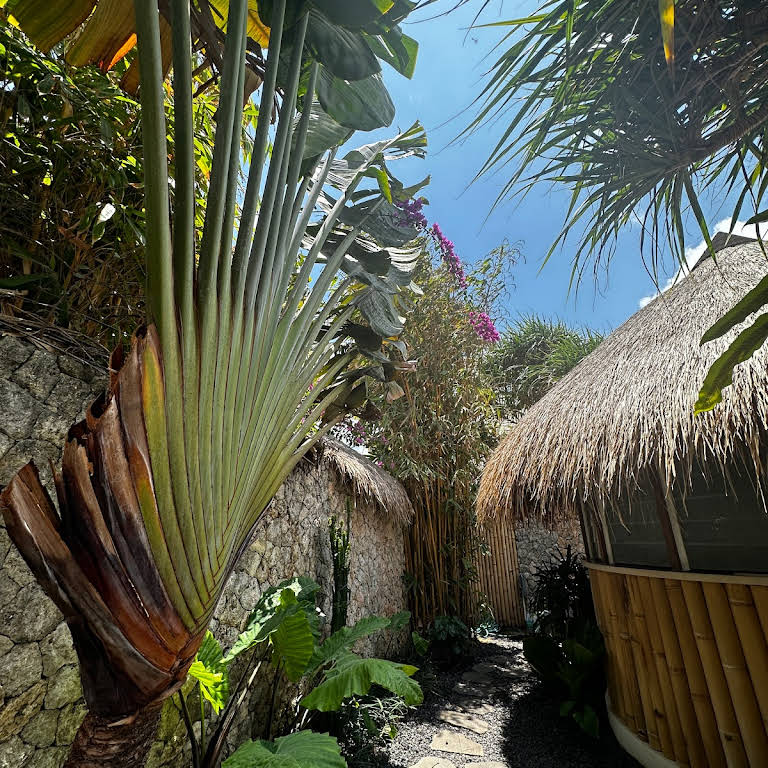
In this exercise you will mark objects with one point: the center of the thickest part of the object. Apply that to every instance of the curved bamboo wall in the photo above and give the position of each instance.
(688, 662)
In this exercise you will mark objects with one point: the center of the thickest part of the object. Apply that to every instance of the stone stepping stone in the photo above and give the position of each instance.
(483, 677)
(488, 764)
(474, 707)
(433, 762)
(463, 720)
(475, 690)
(449, 741)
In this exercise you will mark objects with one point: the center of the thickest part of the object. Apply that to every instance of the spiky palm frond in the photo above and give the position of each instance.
(635, 122)
(247, 360)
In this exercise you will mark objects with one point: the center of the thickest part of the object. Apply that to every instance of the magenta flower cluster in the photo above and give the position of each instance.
(411, 213)
(484, 327)
(448, 255)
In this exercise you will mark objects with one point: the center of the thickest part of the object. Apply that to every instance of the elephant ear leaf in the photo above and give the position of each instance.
(210, 670)
(353, 675)
(304, 749)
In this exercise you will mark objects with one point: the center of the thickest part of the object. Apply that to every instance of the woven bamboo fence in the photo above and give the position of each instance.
(499, 575)
(688, 662)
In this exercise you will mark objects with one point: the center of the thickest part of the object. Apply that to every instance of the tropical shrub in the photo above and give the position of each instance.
(566, 649)
(338, 534)
(532, 355)
(449, 639)
(284, 630)
(247, 359)
(436, 436)
(73, 253)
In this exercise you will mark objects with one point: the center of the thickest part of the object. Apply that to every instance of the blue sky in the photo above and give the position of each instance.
(448, 76)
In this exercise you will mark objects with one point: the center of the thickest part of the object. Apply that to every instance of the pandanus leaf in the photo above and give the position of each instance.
(242, 368)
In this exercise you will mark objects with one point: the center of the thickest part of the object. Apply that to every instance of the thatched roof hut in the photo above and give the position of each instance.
(367, 480)
(627, 409)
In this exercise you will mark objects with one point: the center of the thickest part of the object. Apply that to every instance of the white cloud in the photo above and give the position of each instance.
(693, 255)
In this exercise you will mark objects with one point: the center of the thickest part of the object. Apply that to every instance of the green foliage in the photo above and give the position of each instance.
(210, 670)
(284, 627)
(627, 132)
(304, 749)
(449, 639)
(351, 675)
(532, 356)
(73, 254)
(436, 437)
(562, 597)
(567, 649)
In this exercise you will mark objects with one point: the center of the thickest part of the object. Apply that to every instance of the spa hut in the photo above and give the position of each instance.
(673, 514)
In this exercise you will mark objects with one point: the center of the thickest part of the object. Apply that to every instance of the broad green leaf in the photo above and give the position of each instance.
(720, 375)
(46, 24)
(398, 50)
(353, 13)
(210, 671)
(265, 617)
(353, 675)
(380, 311)
(304, 749)
(323, 132)
(344, 638)
(345, 52)
(292, 640)
(363, 105)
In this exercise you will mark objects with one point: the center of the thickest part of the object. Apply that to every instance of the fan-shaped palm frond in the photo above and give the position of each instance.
(245, 364)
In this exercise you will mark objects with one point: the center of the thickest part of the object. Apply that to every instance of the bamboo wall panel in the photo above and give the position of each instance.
(687, 662)
(499, 576)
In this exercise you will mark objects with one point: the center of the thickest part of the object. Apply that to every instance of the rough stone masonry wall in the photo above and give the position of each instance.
(41, 705)
(537, 546)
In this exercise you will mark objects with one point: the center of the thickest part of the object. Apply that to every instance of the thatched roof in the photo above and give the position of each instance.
(627, 408)
(368, 480)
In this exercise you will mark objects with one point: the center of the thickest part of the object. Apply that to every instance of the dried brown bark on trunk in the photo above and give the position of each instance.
(100, 744)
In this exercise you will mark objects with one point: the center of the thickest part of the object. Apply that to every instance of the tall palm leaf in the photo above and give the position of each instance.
(245, 364)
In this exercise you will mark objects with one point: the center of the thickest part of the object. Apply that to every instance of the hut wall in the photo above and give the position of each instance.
(41, 706)
(687, 662)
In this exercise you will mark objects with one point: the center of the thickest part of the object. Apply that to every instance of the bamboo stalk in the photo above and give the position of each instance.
(604, 624)
(670, 709)
(625, 667)
(669, 593)
(725, 715)
(753, 642)
(736, 675)
(760, 598)
(654, 706)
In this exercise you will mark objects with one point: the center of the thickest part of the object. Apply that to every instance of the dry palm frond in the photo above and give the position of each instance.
(368, 480)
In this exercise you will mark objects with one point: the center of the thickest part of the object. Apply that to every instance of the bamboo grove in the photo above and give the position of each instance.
(249, 355)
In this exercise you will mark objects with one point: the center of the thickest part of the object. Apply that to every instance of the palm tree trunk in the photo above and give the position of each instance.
(101, 743)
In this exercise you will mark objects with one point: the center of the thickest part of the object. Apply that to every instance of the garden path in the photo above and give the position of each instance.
(495, 715)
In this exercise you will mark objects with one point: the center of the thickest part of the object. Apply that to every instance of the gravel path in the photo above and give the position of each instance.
(524, 726)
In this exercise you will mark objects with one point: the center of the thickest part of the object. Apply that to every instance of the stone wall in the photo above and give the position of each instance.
(538, 545)
(41, 706)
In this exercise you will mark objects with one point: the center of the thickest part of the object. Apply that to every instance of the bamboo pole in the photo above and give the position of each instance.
(730, 735)
(670, 707)
(519, 611)
(625, 665)
(604, 624)
(760, 598)
(736, 675)
(669, 593)
(753, 642)
(656, 711)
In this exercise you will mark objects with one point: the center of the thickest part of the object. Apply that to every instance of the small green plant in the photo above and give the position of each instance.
(449, 639)
(284, 630)
(566, 650)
